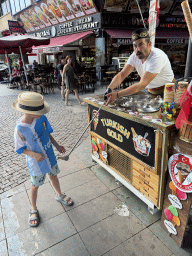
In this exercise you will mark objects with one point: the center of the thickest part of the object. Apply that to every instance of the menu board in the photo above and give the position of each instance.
(50, 12)
(115, 5)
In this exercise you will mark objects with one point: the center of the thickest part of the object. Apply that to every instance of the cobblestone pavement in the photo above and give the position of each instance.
(68, 123)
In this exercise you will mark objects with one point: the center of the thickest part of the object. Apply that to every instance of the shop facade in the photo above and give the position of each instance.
(99, 31)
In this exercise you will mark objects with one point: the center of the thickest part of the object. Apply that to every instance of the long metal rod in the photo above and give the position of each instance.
(141, 14)
(8, 66)
(85, 130)
(23, 64)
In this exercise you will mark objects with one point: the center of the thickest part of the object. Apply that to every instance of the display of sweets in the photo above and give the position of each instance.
(181, 87)
(170, 110)
(169, 92)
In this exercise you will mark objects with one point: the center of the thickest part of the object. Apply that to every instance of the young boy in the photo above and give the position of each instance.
(32, 138)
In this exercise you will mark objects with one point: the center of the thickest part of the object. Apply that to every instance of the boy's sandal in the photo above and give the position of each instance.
(64, 201)
(37, 218)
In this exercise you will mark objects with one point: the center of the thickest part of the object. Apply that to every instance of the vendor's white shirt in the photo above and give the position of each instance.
(156, 63)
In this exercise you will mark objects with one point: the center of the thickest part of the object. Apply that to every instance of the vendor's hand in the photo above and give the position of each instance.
(111, 97)
(107, 92)
(38, 157)
(61, 149)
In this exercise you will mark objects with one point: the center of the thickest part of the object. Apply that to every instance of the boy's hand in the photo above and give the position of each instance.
(38, 157)
(61, 149)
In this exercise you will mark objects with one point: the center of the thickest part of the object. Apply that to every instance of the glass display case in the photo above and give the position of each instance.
(119, 62)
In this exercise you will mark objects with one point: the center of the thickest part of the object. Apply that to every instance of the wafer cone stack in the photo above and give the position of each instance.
(133, 131)
(181, 177)
(187, 14)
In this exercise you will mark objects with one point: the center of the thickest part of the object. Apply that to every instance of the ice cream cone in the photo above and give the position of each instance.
(181, 177)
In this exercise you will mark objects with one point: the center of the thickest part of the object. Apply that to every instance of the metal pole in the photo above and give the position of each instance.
(141, 13)
(8, 65)
(67, 156)
(188, 67)
(152, 20)
(23, 64)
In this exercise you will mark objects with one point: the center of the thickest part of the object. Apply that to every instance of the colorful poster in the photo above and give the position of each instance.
(115, 5)
(180, 170)
(52, 12)
(144, 6)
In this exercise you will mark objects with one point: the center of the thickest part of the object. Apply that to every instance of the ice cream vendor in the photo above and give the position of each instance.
(151, 63)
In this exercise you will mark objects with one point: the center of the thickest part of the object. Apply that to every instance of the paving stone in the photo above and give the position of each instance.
(168, 241)
(86, 192)
(76, 179)
(105, 177)
(136, 205)
(144, 243)
(72, 165)
(2, 231)
(93, 211)
(46, 204)
(110, 232)
(3, 248)
(13, 191)
(72, 246)
(49, 233)
(15, 212)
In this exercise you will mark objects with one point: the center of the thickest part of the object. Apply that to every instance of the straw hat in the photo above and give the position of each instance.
(31, 103)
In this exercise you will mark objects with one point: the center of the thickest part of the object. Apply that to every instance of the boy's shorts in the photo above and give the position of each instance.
(37, 181)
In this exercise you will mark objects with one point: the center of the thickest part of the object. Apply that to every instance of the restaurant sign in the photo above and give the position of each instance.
(132, 137)
(116, 42)
(70, 27)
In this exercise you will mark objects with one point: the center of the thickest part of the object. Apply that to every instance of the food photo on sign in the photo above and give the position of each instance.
(180, 170)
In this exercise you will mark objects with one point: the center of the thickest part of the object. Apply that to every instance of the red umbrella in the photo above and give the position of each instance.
(25, 41)
(15, 50)
(8, 44)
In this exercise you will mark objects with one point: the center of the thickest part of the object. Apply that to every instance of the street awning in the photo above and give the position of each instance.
(119, 33)
(57, 42)
(172, 34)
(172, 37)
(123, 37)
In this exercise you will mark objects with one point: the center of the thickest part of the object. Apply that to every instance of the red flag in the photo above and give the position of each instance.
(185, 103)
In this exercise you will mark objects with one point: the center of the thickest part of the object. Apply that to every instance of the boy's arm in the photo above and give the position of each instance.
(37, 156)
(61, 149)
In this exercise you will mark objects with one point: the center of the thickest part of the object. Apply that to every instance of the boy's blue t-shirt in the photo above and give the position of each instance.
(35, 137)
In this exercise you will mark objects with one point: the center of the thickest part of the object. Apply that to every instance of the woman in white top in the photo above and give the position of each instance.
(152, 65)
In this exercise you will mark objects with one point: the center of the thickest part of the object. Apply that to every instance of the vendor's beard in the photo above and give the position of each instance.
(140, 55)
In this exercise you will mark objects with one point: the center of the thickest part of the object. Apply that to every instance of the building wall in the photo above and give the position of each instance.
(4, 21)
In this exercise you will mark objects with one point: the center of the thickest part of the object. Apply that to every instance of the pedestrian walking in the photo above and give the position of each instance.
(69, 79)
(59, 73)
(33, 138)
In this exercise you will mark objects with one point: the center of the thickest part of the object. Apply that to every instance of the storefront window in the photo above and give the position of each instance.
(4, 8)
(19, 5)
(22, 3)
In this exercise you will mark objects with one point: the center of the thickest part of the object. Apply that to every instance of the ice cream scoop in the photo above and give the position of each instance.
(173, 210)
(172, 215)
(168, 214)
(181, 195)
(172, 186)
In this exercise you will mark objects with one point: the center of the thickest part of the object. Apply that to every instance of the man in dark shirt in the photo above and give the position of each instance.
(59, 76)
